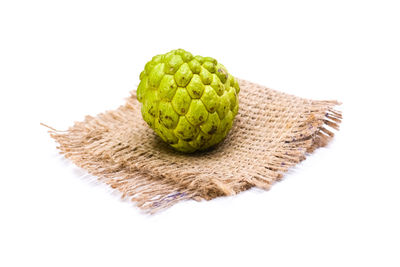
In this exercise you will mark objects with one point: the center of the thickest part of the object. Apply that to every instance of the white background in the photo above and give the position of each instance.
(61, 60)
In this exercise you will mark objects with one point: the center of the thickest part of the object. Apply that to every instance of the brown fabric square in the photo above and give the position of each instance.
(272, 132)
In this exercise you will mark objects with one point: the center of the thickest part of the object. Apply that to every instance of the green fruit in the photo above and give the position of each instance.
(190, 102)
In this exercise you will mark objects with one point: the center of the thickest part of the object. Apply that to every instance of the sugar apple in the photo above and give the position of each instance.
(189, 101)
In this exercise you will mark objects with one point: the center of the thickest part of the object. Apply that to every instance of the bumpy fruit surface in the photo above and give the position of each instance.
(189, 101)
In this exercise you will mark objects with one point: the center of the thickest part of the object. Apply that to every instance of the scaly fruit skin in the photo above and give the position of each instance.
(189, 101)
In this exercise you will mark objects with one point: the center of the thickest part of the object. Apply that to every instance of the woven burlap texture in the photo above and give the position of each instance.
(272, 132)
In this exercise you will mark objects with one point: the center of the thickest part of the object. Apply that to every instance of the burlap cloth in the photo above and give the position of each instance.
(272, 132)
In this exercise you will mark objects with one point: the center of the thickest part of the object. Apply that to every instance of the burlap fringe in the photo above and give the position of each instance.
(118, 148)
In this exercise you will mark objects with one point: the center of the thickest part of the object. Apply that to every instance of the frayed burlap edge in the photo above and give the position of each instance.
(139, 170)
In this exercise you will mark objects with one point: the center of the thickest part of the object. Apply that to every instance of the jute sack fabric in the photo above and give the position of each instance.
(272, 132)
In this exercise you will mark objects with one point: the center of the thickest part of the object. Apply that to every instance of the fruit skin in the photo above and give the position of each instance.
(189, 101)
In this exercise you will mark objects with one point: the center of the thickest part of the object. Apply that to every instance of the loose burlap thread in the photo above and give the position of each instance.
(272, 132)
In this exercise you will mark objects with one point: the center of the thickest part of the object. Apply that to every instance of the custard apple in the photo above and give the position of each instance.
(189, 101)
